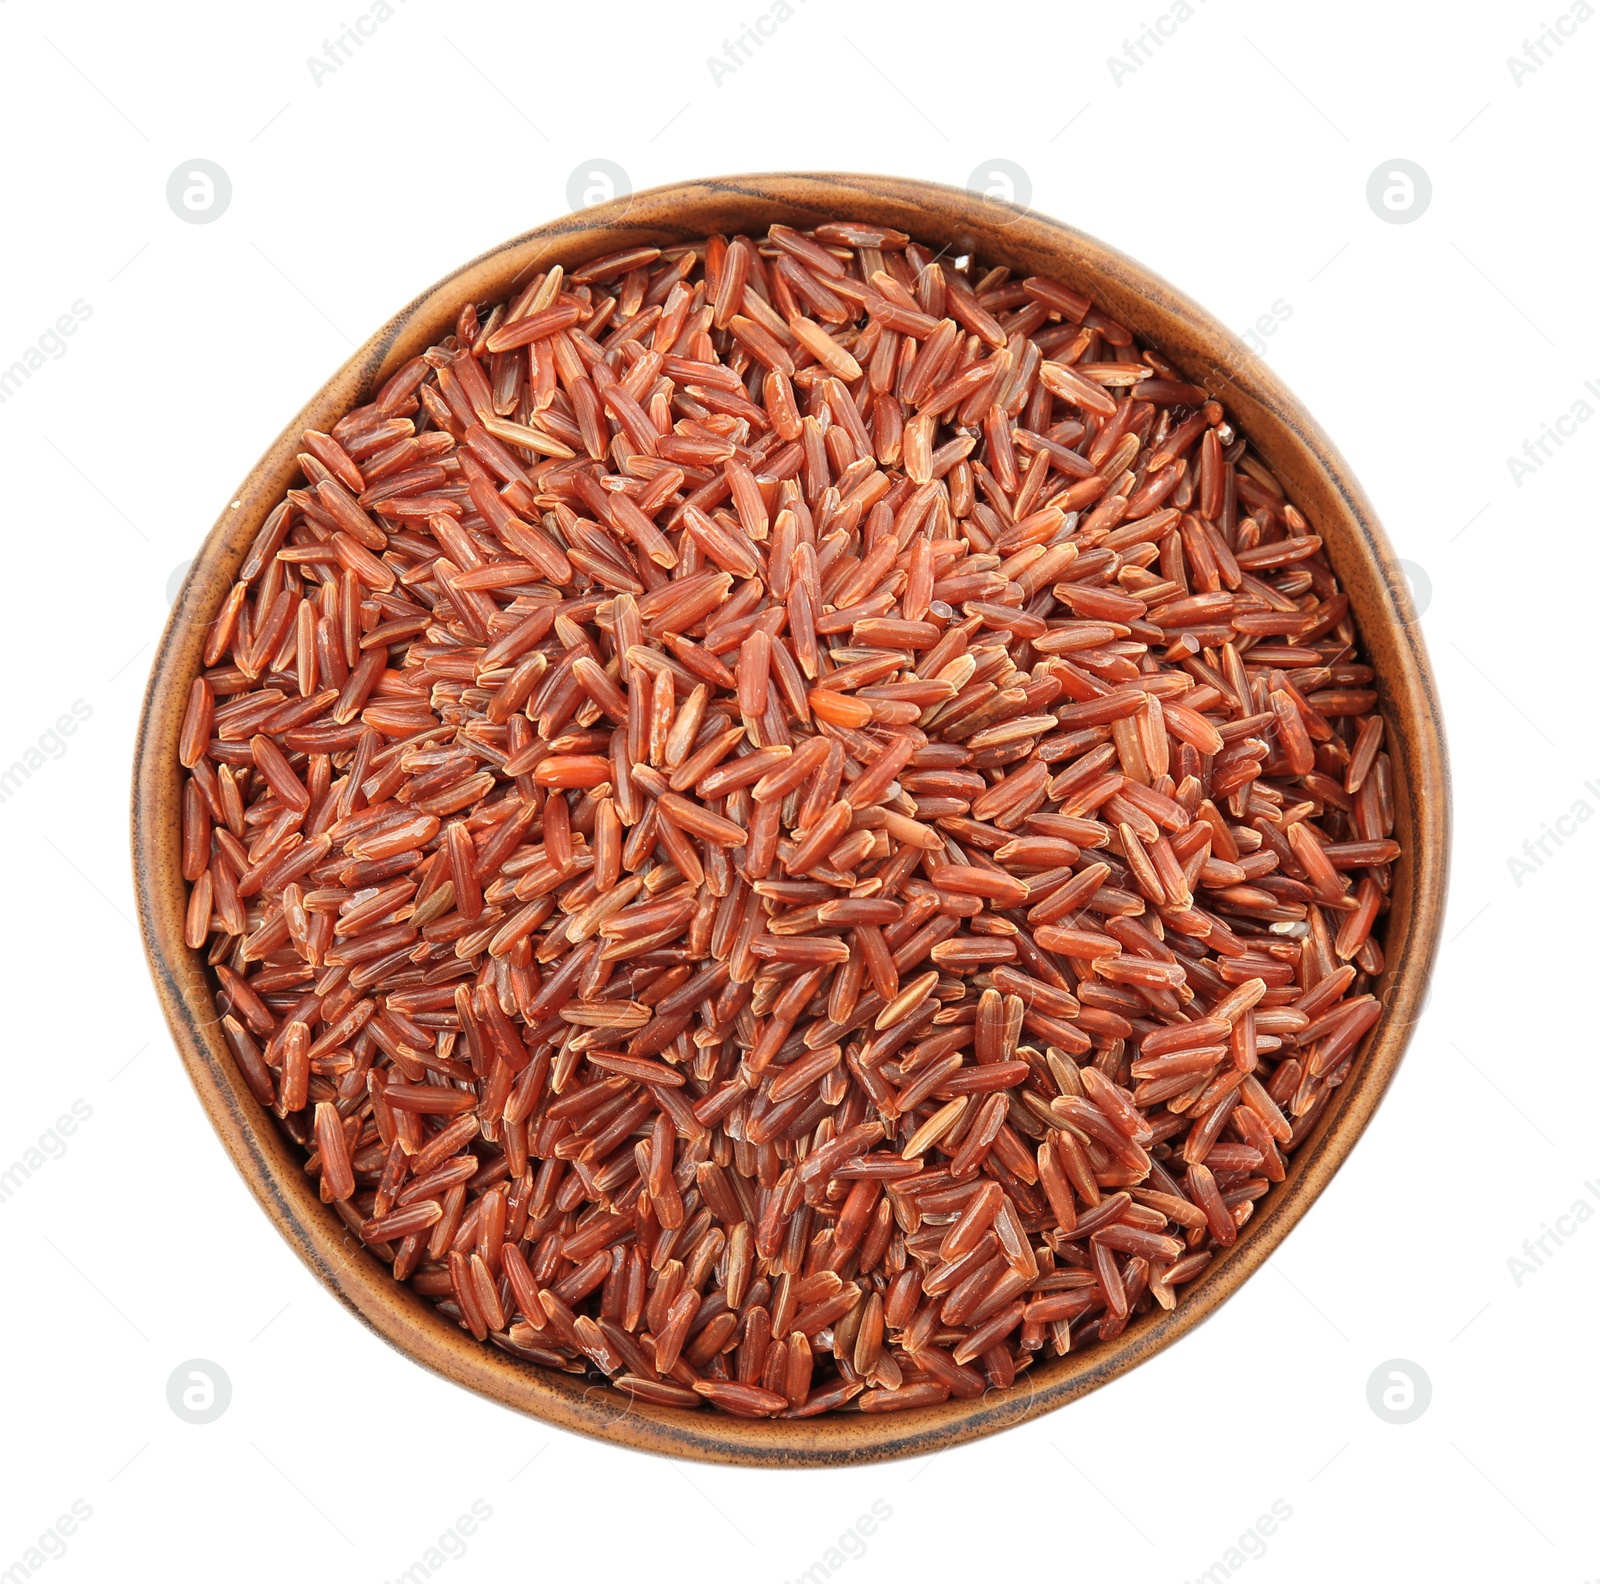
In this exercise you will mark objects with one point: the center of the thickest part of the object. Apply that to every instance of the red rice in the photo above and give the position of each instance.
(790, 823)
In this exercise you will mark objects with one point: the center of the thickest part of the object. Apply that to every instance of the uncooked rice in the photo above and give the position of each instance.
(792, 823)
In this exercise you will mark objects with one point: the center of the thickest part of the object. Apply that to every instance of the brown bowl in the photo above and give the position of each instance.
(1315, 476)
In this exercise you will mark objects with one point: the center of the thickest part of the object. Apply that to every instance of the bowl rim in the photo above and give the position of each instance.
(1278, 428)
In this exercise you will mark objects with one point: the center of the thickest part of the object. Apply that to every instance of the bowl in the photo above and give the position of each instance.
(1313, 473)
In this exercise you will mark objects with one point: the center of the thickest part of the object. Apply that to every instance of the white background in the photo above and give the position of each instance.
(1235, 162)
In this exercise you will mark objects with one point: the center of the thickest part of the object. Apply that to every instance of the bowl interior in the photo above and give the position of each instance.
(1315, 478)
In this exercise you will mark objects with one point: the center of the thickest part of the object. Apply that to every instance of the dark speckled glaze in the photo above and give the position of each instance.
(1316, 478)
